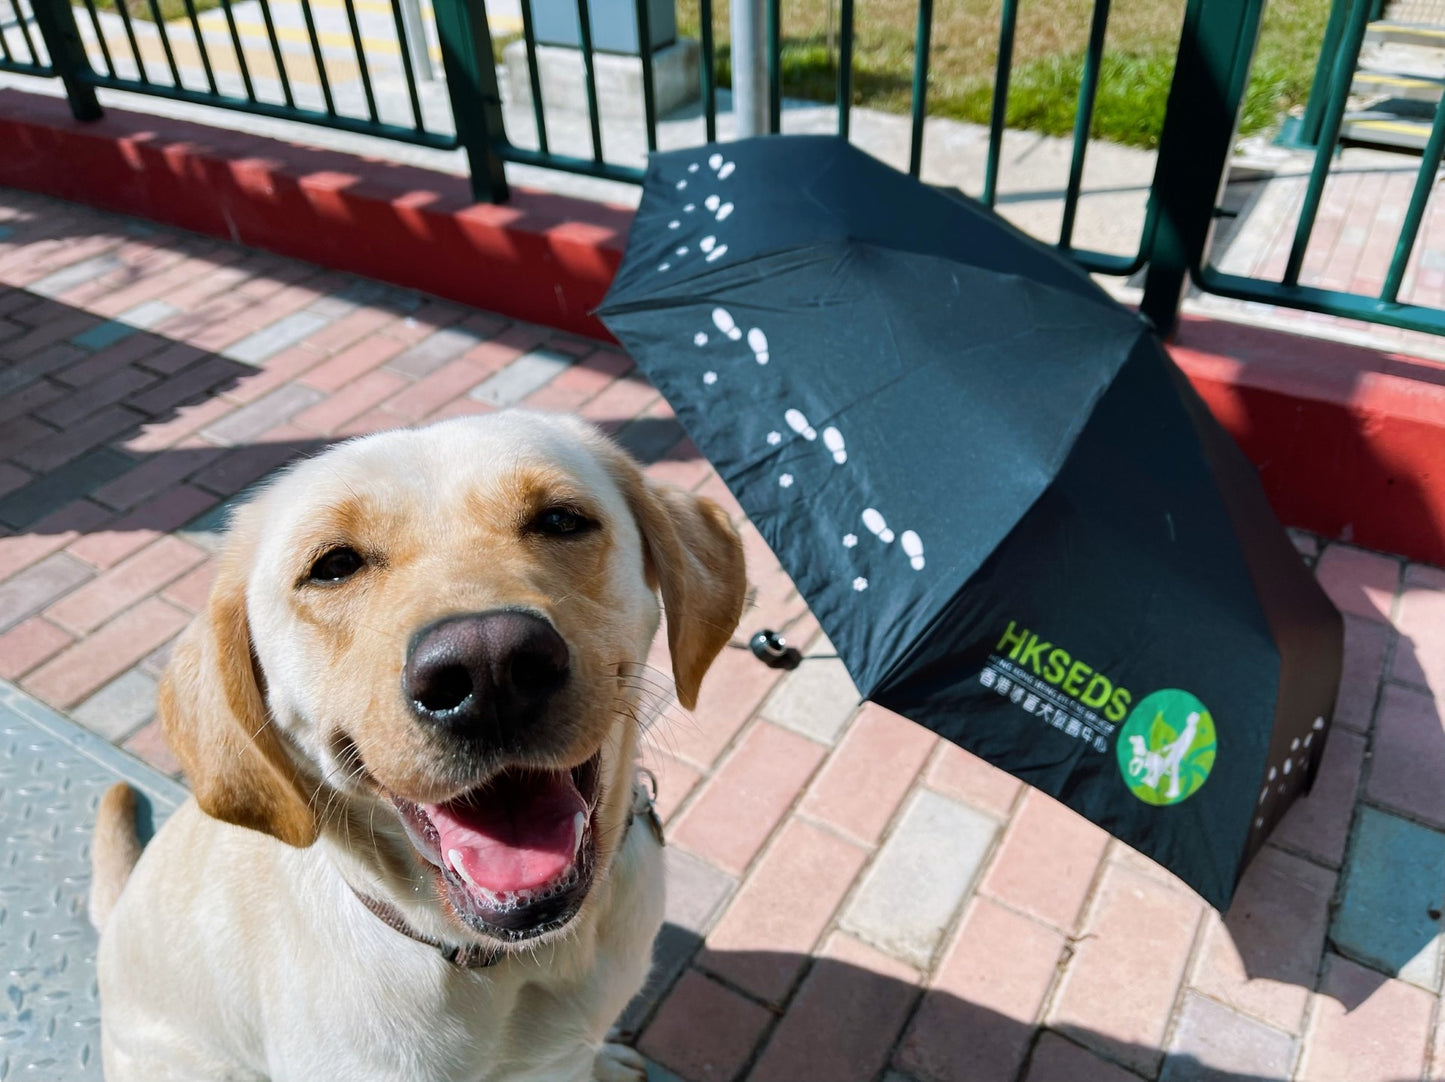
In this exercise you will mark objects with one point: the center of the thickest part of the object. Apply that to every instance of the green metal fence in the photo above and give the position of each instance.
(178, 60)
(1320, 127)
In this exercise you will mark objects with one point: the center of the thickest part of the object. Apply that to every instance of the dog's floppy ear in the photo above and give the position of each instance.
(215, 719)
(695, 560)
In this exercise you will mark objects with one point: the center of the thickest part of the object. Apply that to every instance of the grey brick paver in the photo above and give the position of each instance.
(262, 415)
(67, 278)
(139, 318)
(32, 589)
(815, 699)
(268, 341)
(909, 896)
(432, 352)
(527, 373)
(696, 895)
(1212, 1043)
(121, 707)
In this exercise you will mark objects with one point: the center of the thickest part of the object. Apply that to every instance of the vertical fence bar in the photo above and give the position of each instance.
(241, 65)
(1084, 119)
(534, 76)
(1215, 50)
(920, 84)
(999, 112)
(589, 77)
(321, 76)
(845, 67)
(471, 78)
(160, 24)
(413, 40)
(361, 66)
(708, 71)
(1415, 213)
(286, 94)
(775, 66)
(408, 71)
(1344, 71)
(649, 90)
(100, 38)
(24, 26)
(122, 7)
(5, 53)
(56, 23)
(1314, 114)
(200, 45)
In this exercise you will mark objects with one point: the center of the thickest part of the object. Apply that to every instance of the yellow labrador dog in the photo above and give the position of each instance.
(415, 851)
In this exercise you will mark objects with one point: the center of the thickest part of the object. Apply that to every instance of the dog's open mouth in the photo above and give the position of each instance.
(516, 855)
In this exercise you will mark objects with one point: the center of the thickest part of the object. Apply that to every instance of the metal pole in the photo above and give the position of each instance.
(56, 23)
(750, 68)
(471, 80)
(415, 43)
(1215, 51)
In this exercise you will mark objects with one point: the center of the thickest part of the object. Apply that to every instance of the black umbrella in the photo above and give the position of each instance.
(1007, 508)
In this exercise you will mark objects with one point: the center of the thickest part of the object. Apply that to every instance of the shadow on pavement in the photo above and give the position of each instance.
(841, 1022)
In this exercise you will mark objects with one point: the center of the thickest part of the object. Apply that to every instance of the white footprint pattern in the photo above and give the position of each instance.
(909, 541)
(799, 424)
(877, 526)
(721, 209)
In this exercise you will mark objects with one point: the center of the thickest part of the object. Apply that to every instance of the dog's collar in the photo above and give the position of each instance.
(482, 955)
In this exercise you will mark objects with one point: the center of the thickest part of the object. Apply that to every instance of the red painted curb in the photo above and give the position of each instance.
(543, 258)
(1350, 442)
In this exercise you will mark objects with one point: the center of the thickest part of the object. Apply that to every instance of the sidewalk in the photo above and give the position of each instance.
(850, 897)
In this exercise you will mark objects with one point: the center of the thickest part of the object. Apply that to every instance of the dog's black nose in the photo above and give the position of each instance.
(487, 671)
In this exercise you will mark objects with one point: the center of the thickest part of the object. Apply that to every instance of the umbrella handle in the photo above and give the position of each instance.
(773, 650)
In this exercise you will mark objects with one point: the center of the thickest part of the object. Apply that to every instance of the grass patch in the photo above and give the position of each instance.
(169, 9)
(1048, 59)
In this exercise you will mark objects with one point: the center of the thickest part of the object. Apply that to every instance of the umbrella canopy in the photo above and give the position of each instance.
(1007, 508)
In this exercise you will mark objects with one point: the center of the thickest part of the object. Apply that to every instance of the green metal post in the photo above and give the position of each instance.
(1083, 119)
(1410, 228)
(1215, 50)
(845, 67)
(920, 85)
(1344, 72)
(775, 66)
(476, 99)
(708, 71)
(999, 110)
(1307, 134)
(56, 22)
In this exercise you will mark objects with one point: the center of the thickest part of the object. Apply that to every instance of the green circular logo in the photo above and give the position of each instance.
(1166, 747)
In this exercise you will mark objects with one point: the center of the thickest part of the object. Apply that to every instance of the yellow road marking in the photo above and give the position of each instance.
(1392, 126)
(253, 35)
(1397, 80)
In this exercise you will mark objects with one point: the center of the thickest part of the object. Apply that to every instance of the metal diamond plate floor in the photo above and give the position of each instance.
(52, 774)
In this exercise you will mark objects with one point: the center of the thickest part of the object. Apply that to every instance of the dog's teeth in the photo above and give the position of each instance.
(579, 827)
(454, 858)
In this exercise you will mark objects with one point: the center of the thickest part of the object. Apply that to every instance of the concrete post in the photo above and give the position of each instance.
(750, 68)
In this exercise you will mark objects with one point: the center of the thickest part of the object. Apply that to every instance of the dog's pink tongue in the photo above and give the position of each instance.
(519, 833)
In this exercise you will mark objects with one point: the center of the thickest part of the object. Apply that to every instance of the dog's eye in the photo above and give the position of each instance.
(561, 522)
(336, 564)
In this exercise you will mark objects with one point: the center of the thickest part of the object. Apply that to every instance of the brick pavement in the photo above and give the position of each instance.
(850, 898)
